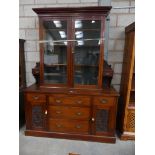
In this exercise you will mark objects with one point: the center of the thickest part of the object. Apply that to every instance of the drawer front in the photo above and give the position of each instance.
(36, 97)
(62, 125)
(69, 112)
(103, 100)
(70, 100)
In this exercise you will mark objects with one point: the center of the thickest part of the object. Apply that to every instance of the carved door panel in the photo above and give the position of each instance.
(38, 116)
(103, 120)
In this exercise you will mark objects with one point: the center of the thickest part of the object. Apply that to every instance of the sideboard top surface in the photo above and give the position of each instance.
(107, 91)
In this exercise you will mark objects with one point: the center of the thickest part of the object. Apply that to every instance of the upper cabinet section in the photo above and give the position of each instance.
(72, 46)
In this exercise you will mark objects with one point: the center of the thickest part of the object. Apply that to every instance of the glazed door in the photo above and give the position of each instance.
(103, 120)
(87, 52)
(54, 51)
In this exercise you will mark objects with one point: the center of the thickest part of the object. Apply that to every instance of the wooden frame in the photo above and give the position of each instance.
(126, 109)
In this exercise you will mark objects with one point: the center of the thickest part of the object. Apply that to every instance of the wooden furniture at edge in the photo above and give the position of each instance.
(73, 107)
(126, 108)
(22, 82)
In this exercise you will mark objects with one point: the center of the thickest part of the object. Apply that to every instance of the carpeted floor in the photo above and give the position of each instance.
(50, 146)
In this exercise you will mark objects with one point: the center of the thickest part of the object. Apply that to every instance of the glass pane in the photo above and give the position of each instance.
(86, 51)
(55, 51)
(101, 120)
(37, 116)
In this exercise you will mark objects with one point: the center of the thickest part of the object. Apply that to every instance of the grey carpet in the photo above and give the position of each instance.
(50, 146)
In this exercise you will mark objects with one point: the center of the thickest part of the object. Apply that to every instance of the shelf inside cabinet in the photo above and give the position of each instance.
(54, 65)
(85, 65)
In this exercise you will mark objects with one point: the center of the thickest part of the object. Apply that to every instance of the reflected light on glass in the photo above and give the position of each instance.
(78, 24)
(80, 42)
(57, 23)
(79, 34)
(99, 42)
(65, 42)
(93, 21)
(62, 34)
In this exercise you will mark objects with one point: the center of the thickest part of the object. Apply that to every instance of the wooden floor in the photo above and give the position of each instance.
(50, 146)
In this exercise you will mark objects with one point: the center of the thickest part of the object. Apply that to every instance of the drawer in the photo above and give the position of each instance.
(103, 100)
(81, 113)
(70, 100)
(63, 125)
(36, 97)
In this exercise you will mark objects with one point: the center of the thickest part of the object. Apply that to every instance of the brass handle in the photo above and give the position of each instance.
(58, 101)
(93, 119)
(103, 101)
(79, 102)
(78, 126)
(71, 91)
(59, 125)
(58, 112)
(35, 97)
(45, 112)
(79, 113)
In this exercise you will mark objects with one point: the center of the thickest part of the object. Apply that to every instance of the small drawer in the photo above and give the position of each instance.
(36, 97)
(69, 112)
(63, 125)
(70, 100)
(103, 100)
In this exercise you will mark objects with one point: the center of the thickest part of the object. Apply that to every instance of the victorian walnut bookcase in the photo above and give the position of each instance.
(72, 97)
(126, 108)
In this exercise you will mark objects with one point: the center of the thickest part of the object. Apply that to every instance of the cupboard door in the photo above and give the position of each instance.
(103, 120)
(55, 50)
(86, 50)
(36, 114)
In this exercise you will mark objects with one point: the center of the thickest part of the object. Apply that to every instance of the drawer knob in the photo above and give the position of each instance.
(58, 101)
(103, 101)
(79, 102)
(35, 97)
(71, 91)
(78, 126)
(45, 112)
(59, 125)
(58, 112)
(79, 113)
(93, 119)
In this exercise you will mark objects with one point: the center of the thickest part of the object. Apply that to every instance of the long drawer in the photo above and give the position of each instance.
(68, 112)
(69, 100)
(63, 125)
